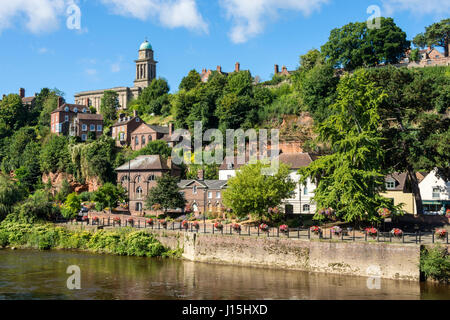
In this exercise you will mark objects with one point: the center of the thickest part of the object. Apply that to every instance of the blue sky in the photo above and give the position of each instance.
(38, 50)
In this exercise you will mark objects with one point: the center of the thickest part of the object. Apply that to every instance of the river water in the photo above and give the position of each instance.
(28, 274)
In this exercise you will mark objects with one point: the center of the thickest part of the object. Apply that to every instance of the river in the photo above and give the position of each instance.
(29, 274)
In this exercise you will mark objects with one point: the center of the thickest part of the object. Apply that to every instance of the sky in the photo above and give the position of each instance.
(43, 45)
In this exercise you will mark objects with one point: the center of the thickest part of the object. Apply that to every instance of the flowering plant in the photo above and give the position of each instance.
(264, 227)
(384, 213)
(447, 214)
(85, 218)
(371, 231)
(95, 219)
(441, 233)
(327, 212)
(397, 232)
(156, 207)
(188, 209)
(150, 222)
(163, 222)
(236, 227)
(185, 225)
(275, 210)
(218, 226)
(315, 229)
(336, 230)
(196, 225)
(284, 228)
(116, 220)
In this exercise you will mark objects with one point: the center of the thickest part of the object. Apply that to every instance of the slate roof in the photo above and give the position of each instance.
(121, 123)
(72, 108)
(210, 184)
(141, 163)
(159, 129)
(400, 179)
(90, 116)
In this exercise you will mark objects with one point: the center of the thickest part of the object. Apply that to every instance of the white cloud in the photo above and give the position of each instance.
(437, 7)
(91, 72)
(172, 14)
(37, 15)
(250, 17)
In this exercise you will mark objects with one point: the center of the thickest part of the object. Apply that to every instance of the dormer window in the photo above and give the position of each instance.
(75, 110)
(390, 184)
(84, 110)
(66, 109)
(194, 190)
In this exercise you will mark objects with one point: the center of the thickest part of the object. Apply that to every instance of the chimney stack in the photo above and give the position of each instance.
(135, 113)
(59, 102)
(22, 92)
(277, 69)
(237, 67)
(200, 175)
(284, 69)
(219, 69)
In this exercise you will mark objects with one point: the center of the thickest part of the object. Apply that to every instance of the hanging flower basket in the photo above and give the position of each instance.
(237, 227)
(163, 223)
(371, 232)
(188, 209)
(264, 227)
(85, 218)
(218, 226)
(196, 225)
(185, 225)
(441, 233)
(150, 222)
(336, 230)
(315, 229)
(284, 228)
(117, 220)
(384, 213)
(275, 210)
(95, 220)
(397, 232)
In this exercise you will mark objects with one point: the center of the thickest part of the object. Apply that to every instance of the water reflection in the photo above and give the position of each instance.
(42, 275)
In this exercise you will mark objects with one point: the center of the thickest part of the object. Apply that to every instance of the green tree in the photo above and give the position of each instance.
(311, 59)
(72, 206)
(192, 80)
(154, 98)
(55, 155)
(38, 207)
(64, 191)
(46, 102)
(10, 194)
(166, 194)
(252, 192)
(13, 114)
(355, 45)
(109, 106)
(437, 34)
(109, 195)
(350, 180)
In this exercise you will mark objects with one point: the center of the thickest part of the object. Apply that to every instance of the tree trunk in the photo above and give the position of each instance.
(415, 190)
(446, 48)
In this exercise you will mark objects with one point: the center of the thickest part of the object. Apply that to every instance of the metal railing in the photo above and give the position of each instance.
(349, 235)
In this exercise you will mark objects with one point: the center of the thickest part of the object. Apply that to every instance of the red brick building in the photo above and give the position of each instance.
(76, 120)
(122, 129)
(138, 176)
(146, 133)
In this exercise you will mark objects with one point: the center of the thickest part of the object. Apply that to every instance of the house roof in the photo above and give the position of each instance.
(153, 162)
(125, 121)
(158, 129)
(294, 160)
(72, 107)
(400, 179)
(210, 184)
(28, 99)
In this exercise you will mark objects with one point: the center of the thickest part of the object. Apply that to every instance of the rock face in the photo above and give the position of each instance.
(92, 184)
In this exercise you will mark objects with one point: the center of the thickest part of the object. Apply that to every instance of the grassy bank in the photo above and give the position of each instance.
(125, 242)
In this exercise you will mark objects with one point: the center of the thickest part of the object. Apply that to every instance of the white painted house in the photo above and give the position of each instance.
(435, 194)
(301, 202)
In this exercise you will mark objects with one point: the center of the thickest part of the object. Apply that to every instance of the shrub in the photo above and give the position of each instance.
(435, 263)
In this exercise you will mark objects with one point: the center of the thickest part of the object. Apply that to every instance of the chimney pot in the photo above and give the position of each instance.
(22, 92)
(238, 67)
(277, 69)
(219, 69)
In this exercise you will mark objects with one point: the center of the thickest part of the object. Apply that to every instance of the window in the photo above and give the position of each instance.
(306, 208)
(139, 193)
(136, 141)
(209, 195)
(121, 136)
(99, 128)
(143, 140)
(305, 191)
(84, 110)
(138, 206)
(137, 119)
(137, 179)
(390, 184)
(84, 127)
(66, 109)
(194, 190)
(124, 179)
(151, 178)
(92, 127)
(218, 195)
(66, 118)
(230, 166)
(436, 193)
(59, 128)
(150, 138)
(75, 110)
(84, 137)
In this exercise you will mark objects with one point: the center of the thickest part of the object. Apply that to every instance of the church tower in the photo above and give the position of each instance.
(145, 66)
